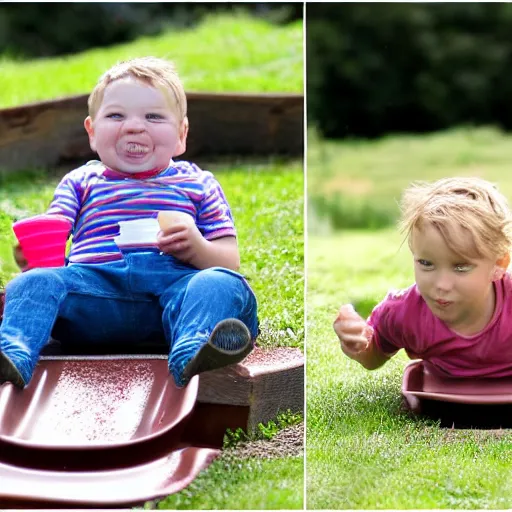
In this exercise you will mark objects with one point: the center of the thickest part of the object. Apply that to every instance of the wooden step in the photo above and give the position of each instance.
(267, 381)
(48, 134)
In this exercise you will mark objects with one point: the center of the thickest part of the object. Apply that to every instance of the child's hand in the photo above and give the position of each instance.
(19, 258)
(354, 333)
(181, 239)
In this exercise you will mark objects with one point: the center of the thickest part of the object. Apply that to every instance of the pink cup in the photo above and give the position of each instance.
(43, 239)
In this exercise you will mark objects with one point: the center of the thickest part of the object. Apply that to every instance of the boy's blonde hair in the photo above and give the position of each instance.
(156, 72)
(471, 215)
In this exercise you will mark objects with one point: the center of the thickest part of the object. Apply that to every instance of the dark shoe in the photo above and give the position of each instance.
(9, 372)
(229, 343)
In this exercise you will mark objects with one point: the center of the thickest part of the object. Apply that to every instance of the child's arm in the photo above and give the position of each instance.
(371, 358)
(357, 339)
(222, 252)
(184, 241)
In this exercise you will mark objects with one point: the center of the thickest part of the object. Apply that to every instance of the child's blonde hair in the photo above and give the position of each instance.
(156, 72)
(459, 207)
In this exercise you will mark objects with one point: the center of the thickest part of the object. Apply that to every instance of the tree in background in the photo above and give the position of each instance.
(379, 68)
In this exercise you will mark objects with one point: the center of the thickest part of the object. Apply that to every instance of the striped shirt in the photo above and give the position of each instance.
(96, 199)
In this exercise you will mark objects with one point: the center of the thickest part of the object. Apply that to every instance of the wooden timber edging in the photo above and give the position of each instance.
(268, 382)
(51, 133)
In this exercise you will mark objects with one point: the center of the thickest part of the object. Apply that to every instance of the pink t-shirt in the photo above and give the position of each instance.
(403, 320)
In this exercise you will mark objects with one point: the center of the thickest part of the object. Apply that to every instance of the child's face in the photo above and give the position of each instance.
(457, 290)
(135, 128)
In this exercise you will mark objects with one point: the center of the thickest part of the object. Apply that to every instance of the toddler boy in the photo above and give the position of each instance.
(183, 287)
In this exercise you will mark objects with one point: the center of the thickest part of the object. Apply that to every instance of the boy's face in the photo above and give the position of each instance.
(135, 128)
(457, 290)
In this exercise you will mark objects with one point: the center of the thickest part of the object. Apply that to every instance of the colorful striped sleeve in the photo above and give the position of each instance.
(214, 218)
(67, 197)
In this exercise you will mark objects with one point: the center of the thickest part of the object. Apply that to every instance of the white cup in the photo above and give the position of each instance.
(139, 232)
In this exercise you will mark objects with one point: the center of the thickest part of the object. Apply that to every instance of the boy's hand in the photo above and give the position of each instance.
(182, 239)
(354, 333)
(19, 258)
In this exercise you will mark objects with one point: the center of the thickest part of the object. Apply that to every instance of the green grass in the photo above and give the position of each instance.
(268, 206)
(357, 184)
(222, 54)
(250, 484)
(266, 431)
(267, 203)
(363, 450)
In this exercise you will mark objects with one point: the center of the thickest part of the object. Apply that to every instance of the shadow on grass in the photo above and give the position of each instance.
(467, 416)
(371, 405)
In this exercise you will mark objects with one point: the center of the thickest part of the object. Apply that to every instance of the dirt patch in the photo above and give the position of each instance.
(289, 442)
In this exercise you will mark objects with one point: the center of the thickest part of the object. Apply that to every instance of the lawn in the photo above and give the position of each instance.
(222, 54)
(357, 184)
(249, 484)
(267, 203)
(364, 451)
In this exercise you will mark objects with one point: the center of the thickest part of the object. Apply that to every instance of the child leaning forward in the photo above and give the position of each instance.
(184, 287)
(458, 315)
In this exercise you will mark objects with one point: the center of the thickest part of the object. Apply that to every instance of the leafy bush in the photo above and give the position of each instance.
(376, 68)
(283, 420)
(265, 431)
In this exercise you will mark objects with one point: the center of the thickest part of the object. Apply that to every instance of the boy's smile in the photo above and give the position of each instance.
(135, 128)
(458, 290)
